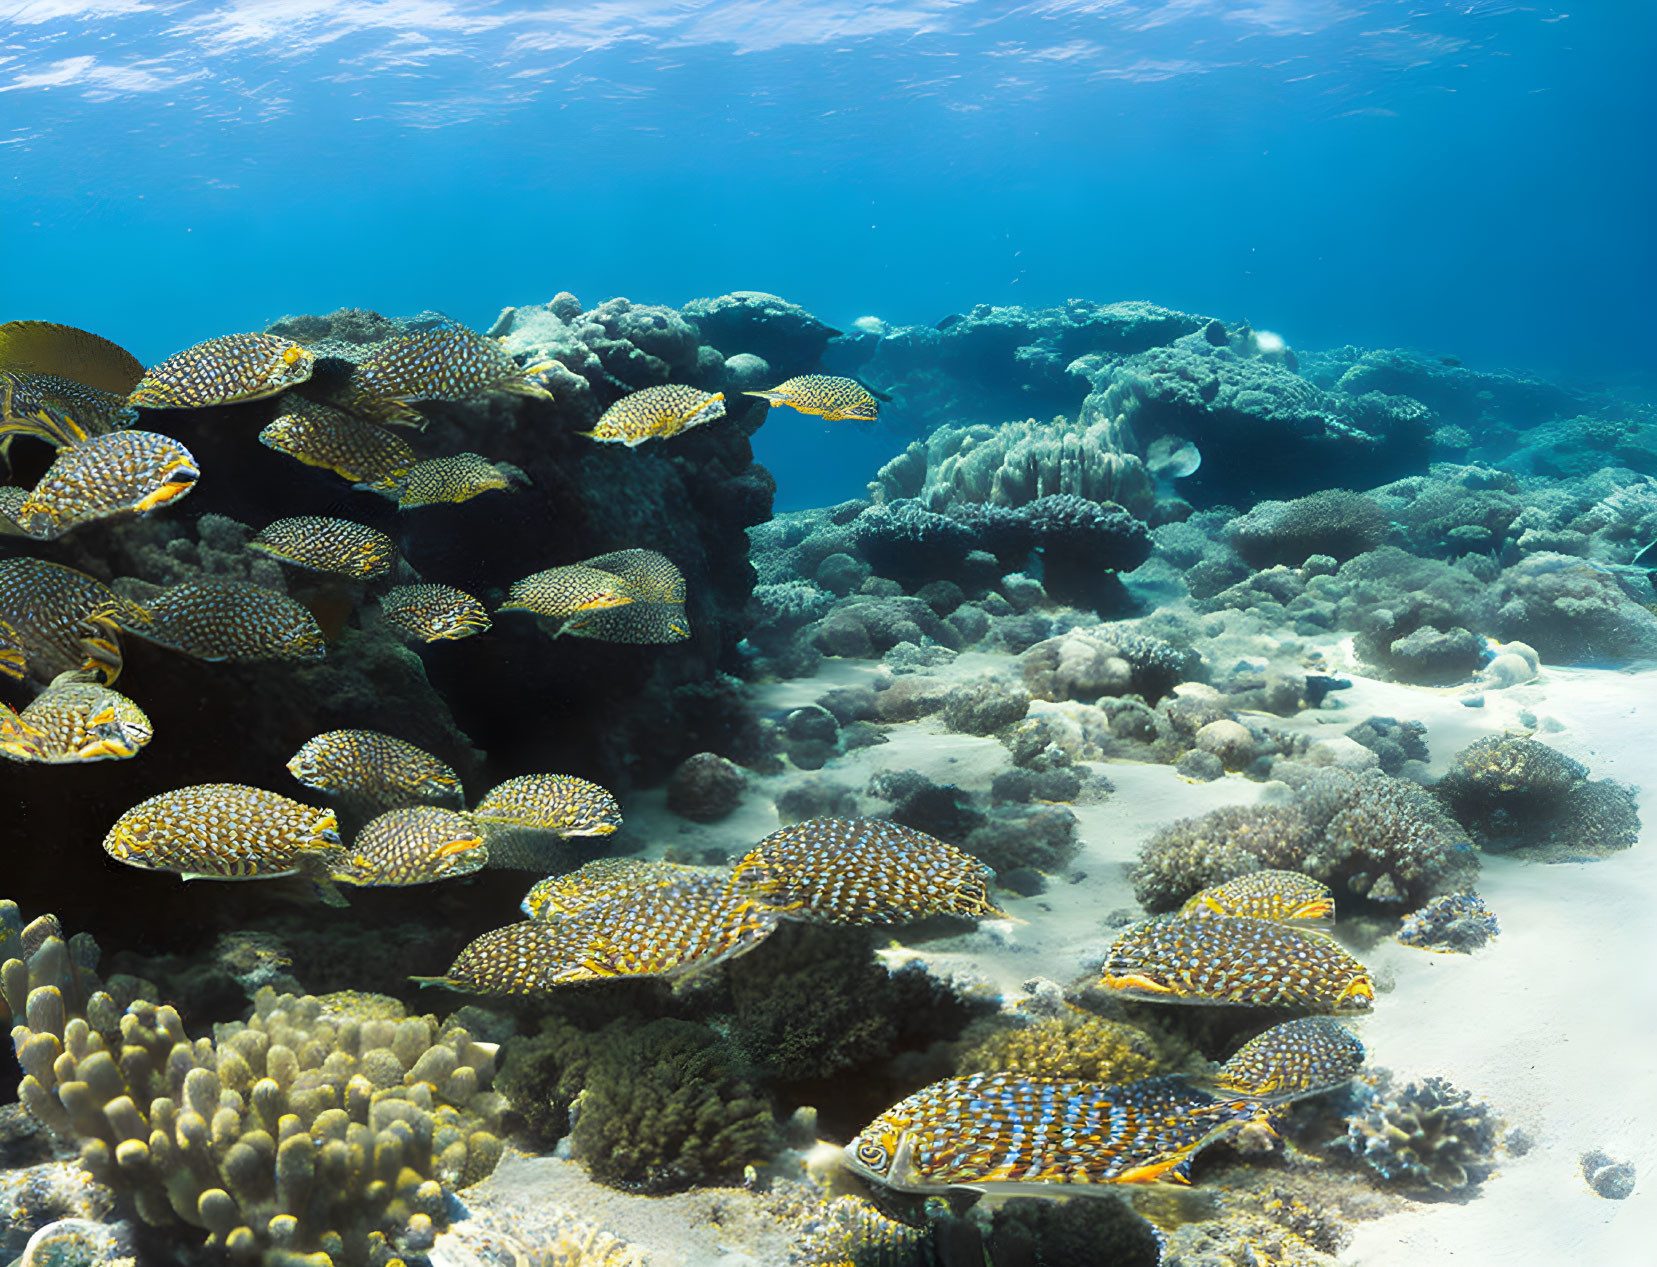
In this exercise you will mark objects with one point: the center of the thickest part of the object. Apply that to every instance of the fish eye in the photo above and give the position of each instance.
(873, 1154)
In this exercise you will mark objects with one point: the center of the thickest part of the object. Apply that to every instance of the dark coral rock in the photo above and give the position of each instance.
(942, 597)
(814, 798)
(1435, 657)
(894, 785)
(1204, 767)
(1038, 836)
(1020, 787)
(1393, 742)
(1609, 1178)
(705, 788)
(789, 338)
(1071, 1234)
(984, 707)
(911, 698)
(843, 633)
(1572, 613)
(1515, 793)
(1335, 522)
(945, 812)
(910, 544)
(1427, 1135)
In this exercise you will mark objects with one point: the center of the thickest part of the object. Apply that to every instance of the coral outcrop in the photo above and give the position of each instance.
(1426, 1135)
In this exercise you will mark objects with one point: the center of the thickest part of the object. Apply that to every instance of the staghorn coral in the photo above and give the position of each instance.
(1428, 1135)
(1194, 853)
(1071, 1044)
(307, 1129)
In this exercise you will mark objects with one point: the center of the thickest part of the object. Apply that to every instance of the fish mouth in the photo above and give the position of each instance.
(176, 483)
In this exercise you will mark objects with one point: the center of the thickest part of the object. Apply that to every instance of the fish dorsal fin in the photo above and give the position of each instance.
(47, 347)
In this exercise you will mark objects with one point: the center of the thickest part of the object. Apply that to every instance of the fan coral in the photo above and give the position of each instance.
(1194, 853)
(1335, 522)
(1073, 1044)
(1428, 1135)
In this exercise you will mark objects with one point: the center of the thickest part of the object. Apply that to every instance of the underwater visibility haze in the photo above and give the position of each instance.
(923, 634)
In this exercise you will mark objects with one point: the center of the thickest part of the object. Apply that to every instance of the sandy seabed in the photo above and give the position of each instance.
(1553, 1024)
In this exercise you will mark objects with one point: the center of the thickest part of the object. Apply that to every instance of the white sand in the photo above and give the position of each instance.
(1553, 1024)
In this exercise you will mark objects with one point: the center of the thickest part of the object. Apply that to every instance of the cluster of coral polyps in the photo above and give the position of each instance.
(327, 1126)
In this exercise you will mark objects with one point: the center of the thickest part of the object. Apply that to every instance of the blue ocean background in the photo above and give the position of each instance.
(1470, 179)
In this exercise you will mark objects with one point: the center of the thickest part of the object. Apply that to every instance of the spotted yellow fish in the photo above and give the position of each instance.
(596, 881)
(231, 620)
(417, 844)
(45, 407)
(318, 543)
(76, 720)
(639, 623)
(56, 613)
(654, 929)
(655, 576)
(657, 413)
(14, 661)
(12, 500)
(380, 768)
(359, 451)
(1286, 896)
(1235, 961)
(433, 613)
(558, 803)
(117, 474)
(224, 831)
(223, 371)
(450, 481)
(562, 592)
(448, 363)
(1293, 1060)
(864, 871)
(833, 399)
(1011, 1133)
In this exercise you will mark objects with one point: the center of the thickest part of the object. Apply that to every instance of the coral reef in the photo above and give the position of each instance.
(652, 1106)
(1334, 522)
(1426, 1135)
(1459, 923)
(1512, 792)
(1195, 853)
(330, 1126)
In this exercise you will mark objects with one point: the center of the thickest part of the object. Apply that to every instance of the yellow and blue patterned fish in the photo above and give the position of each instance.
(224, 831)
(321, 436)
(433, 613)
(418, 844)
(226, 370)
(121, 473)
(864, 871)
(562, 592)
(60, 384)
(379, 768)
(1014, 1134)
(73, 721)
(516, 960)
(14, 661)
(833, 399)
(638, 624)
(319, 543)
(595, 881)
(60, 618)
(558, 803)
(657, 413)
(231, 620)
(654, 576)
(1285, 896)
(1293, 1060)
(450, 481)
(1235, 961)
(449, 363)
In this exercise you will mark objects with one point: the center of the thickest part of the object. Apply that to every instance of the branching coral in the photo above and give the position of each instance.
(1427, 1135)
(311, 1128)
(1195, 853)
(1382, 838)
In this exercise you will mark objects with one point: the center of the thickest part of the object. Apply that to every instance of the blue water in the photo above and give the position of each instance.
(1472, 179)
